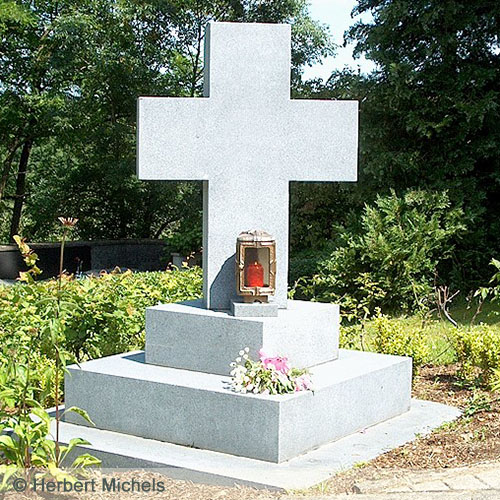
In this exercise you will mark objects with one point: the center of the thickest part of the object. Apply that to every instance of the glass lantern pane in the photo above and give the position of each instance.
(256, 257)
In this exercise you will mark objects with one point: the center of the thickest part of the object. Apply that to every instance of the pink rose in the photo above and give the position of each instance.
(280, 363)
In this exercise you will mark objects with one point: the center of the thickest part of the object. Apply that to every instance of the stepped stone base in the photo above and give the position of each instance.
(189, 337)
(124, 394)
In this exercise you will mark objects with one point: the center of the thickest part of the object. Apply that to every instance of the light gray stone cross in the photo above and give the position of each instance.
(246, 140)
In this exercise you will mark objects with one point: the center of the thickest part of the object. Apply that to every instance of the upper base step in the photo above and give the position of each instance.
(189, 337)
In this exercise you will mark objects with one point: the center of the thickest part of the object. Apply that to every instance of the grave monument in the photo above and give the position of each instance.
(246, 140)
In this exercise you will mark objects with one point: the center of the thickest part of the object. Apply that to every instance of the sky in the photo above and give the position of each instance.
(336, 14)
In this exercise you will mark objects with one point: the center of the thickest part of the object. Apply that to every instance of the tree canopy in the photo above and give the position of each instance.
(429, 114)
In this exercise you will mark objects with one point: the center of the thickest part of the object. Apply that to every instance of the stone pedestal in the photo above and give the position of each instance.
(187, 336)
(124, 451)
(255, 310)
(178, 391)
(177, 394)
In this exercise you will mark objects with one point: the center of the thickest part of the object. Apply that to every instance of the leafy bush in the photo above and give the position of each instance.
(495, 382)
(478, 351)
(389, 260)
(100, 316)
(391, 338)
(491, 292)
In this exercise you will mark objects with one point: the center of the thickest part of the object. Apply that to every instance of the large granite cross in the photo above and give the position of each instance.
(246, 139)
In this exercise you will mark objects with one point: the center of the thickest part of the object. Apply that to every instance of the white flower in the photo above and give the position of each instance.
(245, 356)
(238, 360)
(250, 387)
(247, 349)
(241, 353)
(232, 364)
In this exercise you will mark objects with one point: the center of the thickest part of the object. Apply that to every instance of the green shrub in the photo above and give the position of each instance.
(478, 352)
(492, 291)
(389, 260)
(495, 382)
(101, 316)
(391, 338)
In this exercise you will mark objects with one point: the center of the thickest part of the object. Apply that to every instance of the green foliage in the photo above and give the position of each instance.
(185, 239)
(430, 112)
(26, 441)
(491, 292)
(478, 352)
(431, 340)
(495, 381)
(101, 316)
(477, 403)
(391, 258)
(390, 338)
(43, 325)
(429, 118)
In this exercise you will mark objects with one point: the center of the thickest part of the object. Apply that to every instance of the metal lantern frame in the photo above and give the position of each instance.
(255, 239)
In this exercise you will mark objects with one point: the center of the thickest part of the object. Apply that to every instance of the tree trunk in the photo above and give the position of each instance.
(20, 188)
(196, 62)
(7, 165)
(147, 220)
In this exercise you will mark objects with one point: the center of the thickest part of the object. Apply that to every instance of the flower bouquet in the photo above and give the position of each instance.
(268, 375)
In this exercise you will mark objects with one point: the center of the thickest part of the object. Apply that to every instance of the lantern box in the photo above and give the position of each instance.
(255, 266)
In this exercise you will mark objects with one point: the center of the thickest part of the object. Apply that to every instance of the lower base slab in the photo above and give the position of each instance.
(209, 467)
(124, 394)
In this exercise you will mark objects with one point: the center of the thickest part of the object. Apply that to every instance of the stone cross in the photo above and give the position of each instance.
(246, 140)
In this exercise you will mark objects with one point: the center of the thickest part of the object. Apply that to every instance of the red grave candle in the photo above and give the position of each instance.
(254, 274)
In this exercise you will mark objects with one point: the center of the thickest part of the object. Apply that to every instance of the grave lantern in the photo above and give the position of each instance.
(255, 266)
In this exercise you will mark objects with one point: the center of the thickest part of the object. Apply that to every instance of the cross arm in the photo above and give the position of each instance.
(173, 136)
(322, 143)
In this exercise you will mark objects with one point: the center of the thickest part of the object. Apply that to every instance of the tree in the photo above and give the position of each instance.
(433, 106)
(82, 160)
(38, 63)
(428, 115)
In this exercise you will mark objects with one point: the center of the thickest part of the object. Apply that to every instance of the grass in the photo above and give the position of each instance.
(436, 331)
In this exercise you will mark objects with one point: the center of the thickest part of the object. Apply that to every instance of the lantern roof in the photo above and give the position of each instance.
(255, 235)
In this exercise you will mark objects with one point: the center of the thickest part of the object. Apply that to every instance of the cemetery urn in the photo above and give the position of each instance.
(255, 266)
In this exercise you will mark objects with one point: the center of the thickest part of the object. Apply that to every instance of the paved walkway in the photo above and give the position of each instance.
(479, 482)
(476, 478)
